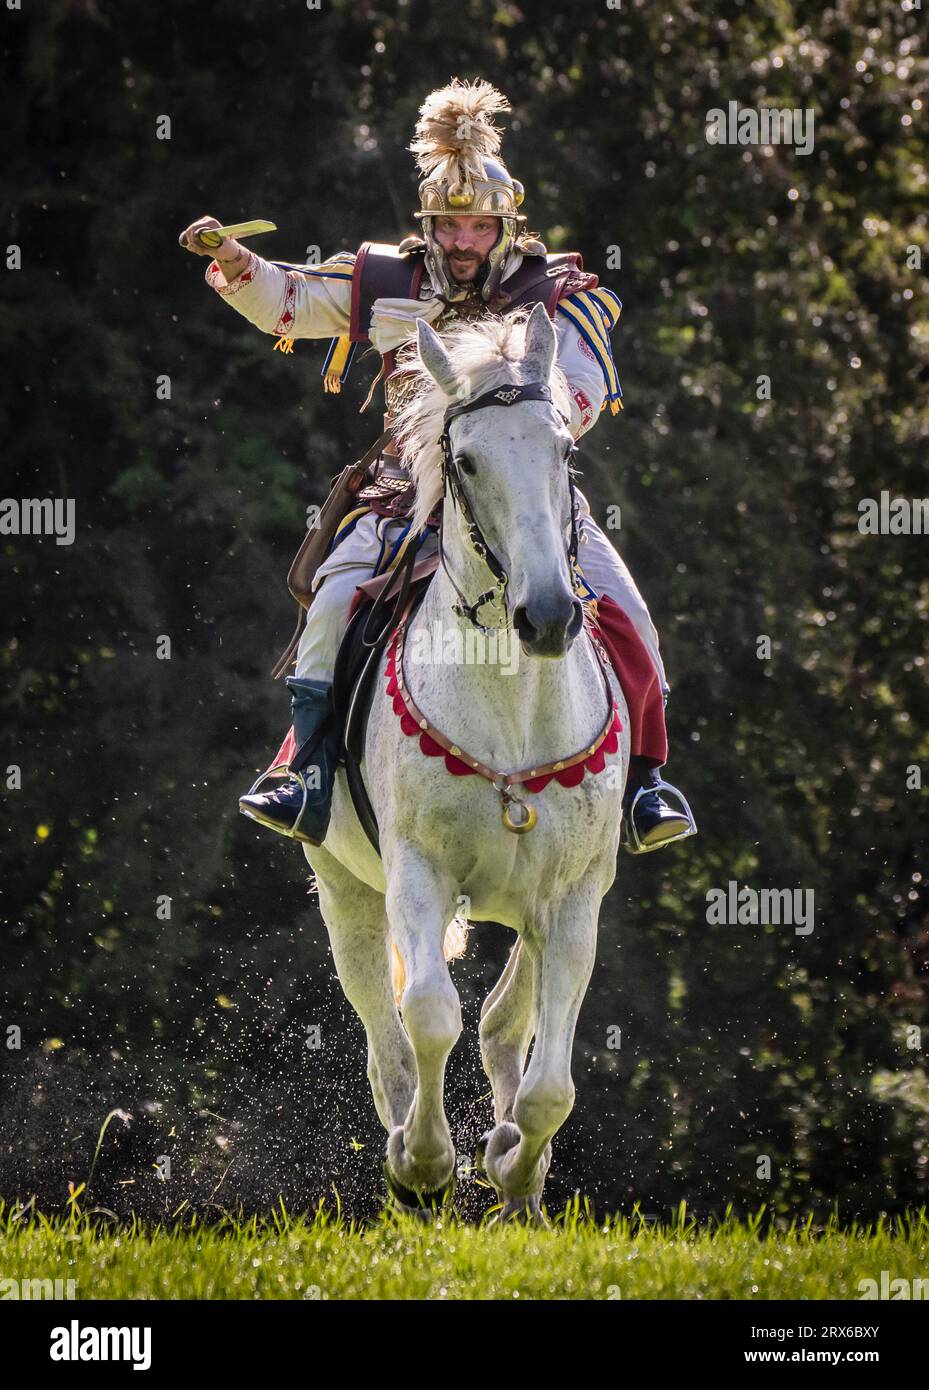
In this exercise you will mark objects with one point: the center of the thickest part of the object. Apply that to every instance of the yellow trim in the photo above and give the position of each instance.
(408, 538)
(609, 301)
(334, 263)
(332, 381)
(283, 345)
(602, 330)
(594, 325)
(598, 342)
(348, 519)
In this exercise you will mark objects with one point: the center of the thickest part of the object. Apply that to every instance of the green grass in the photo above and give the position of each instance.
(325, 1256)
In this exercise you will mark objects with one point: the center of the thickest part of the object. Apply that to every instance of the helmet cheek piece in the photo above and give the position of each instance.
(498, 257)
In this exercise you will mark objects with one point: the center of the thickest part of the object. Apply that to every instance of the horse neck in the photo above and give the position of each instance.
(538, 711)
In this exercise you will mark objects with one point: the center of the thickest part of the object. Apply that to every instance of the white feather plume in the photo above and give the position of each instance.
(456, 123)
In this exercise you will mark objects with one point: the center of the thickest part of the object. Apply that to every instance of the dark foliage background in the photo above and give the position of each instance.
(739, 519)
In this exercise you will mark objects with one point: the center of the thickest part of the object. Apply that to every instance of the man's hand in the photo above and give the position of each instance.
(229, 255)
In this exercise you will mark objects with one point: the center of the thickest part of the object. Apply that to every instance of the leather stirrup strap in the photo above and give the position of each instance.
(374, 625)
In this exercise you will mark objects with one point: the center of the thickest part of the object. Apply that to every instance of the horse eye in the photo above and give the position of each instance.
(465, 464)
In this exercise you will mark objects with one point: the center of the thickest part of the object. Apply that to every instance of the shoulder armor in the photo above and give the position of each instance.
(546, 281)
(531, 245)
(383, 271)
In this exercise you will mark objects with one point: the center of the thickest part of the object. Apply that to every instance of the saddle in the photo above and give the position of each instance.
(386, 598)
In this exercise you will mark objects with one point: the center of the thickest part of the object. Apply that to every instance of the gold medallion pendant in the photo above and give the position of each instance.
(518, 816)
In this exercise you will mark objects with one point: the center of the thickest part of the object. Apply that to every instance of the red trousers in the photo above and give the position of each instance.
(639, 681)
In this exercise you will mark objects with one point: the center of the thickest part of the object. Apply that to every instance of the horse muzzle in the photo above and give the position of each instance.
(547, 627)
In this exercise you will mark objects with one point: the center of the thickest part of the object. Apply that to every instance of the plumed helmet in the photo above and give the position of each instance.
(457, 149)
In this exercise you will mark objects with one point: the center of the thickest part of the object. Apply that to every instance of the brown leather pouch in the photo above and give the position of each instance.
(316, 542)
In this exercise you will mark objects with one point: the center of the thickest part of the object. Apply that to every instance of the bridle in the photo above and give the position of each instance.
(506, 395)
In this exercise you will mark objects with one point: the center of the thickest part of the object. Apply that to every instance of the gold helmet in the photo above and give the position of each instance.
(456, 146)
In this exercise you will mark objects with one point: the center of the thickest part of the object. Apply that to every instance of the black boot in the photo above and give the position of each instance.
(648, 822)
(299, 807)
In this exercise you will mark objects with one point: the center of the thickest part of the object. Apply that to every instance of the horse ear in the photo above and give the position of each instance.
(435, 359)
(540, 345)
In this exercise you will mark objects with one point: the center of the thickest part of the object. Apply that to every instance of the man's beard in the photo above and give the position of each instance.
(476, 279)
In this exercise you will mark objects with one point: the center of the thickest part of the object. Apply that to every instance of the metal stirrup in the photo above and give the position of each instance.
(634, 844)
(290, 834)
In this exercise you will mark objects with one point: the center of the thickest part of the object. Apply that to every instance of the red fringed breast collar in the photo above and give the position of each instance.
(568, 771)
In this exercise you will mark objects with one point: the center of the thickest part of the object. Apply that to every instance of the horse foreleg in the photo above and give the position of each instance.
(562, 948)
(356, 919)
(420, 1152)
(506, 1030)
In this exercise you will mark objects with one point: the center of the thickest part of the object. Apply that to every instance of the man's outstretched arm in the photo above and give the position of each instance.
(314, 303)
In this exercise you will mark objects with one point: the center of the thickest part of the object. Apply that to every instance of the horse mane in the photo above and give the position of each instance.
(484, 354)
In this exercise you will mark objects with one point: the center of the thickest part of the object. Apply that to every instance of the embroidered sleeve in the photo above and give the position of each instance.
(584, 322)
(288, 300)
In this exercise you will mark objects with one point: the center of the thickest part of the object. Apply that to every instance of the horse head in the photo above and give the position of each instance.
(504, 467)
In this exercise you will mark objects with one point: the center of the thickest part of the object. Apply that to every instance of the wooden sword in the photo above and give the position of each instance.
(214, 236)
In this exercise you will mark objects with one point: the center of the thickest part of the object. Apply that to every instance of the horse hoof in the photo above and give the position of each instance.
(527, 1209)
(499, 1142)
(422, 1205)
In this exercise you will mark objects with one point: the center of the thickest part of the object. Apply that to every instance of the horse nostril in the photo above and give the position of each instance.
(524, 628)
(549, 633)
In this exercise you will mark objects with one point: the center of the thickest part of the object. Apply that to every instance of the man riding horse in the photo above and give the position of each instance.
(473, 259)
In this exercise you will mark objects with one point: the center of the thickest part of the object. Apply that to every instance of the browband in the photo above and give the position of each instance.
(508, 394)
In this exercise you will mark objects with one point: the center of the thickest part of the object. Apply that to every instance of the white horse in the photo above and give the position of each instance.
(442, 841)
